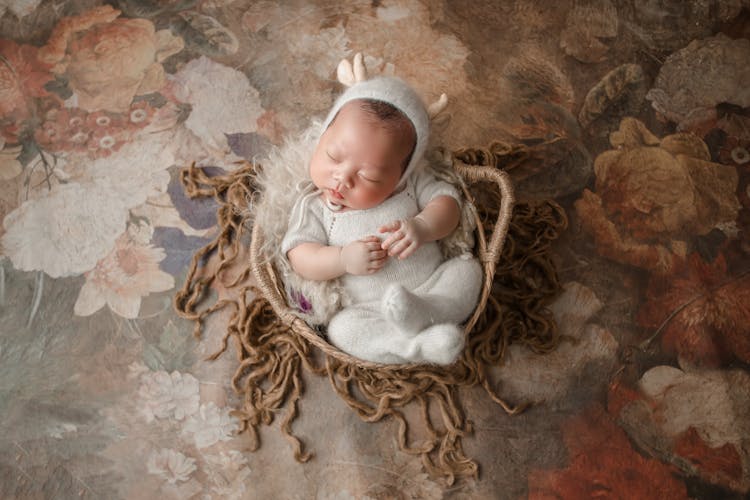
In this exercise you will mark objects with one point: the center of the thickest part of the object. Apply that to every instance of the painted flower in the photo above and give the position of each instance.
(602, 461)
(696, 420)
(134, 173)
(64, 233)
(122, 278)
(67, 230)
(222, 100)
(529, 376)
(722, 63)
(735, 151)
(711, 401)
(734, 146)
(108, 60)
(63, 129)
(708, 313)
(22, 78)
(168, 395)
(228, 472)
(652, 194)
(171, 465)
(211, 425)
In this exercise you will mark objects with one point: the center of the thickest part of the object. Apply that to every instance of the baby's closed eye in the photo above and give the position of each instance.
(370, 178)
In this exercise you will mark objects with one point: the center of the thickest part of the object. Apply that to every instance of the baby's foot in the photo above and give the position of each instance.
(440, 344)
(404, 309)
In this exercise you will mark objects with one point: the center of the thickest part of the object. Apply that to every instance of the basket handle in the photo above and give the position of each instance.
(490, 252)
(474, 174)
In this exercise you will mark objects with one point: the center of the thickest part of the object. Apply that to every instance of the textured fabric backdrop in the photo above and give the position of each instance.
(633, 114)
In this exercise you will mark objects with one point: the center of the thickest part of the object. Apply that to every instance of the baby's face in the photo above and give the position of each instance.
(358, 162)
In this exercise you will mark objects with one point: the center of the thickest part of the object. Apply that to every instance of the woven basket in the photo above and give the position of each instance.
(489, 248)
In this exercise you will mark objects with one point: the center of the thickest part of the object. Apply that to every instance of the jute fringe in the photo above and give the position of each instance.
(273, 355)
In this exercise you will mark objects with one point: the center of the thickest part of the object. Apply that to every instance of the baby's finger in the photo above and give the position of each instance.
(373, 245)
(376, 265)
(393, 238)
(391, 226)
(377, 255)
(399, 247)
(409, 250)
(370, 239)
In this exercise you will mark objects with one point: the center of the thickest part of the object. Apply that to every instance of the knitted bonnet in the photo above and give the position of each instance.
(393, 91)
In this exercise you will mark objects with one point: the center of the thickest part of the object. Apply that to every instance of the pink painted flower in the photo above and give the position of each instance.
(96, 134)
(130, 272)
(108, 60)
(22, 78)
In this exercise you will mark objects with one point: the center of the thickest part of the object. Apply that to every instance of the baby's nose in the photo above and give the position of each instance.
(344, 178)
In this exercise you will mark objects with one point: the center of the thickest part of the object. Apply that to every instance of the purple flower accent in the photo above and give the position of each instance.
(179, 247)
(249, 145)
(200, 213)
(301, 302)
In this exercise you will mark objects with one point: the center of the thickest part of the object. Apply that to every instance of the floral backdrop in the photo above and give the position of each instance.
(633, 114)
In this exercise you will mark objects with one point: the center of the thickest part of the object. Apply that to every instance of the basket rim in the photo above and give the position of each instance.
(488, 252)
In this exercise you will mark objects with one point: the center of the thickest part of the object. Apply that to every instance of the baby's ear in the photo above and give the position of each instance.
(437, 107)
(349, 75)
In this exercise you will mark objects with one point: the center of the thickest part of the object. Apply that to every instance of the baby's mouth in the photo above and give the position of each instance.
(336, 195)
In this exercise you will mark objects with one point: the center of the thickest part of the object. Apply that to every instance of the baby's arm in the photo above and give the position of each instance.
(314, 261)
(437, 220)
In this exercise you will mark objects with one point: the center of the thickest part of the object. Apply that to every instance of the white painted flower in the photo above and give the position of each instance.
(228, 473)
(122, 278)
(222, 98)
(211, 425)
(66, 232)
(168, 395)
(135, 172)
(714, 402)
(171, 465)
(231, 460)
(535, 377)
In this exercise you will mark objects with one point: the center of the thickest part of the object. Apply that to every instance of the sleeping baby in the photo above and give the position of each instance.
(372, 218)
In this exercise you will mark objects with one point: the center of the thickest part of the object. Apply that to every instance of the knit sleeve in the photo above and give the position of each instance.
(427, 187)
(308, 225)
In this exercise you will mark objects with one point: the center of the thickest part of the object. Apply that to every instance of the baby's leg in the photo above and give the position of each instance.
(448, 296)
(363, 332)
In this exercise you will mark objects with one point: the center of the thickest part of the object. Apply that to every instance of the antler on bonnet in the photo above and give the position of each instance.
(349, 74)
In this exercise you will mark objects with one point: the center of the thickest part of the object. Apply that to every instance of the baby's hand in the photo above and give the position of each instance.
(407, 235)
(363, 256)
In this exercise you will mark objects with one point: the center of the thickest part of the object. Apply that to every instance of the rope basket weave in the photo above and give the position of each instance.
(276, 348)
(488, 252)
